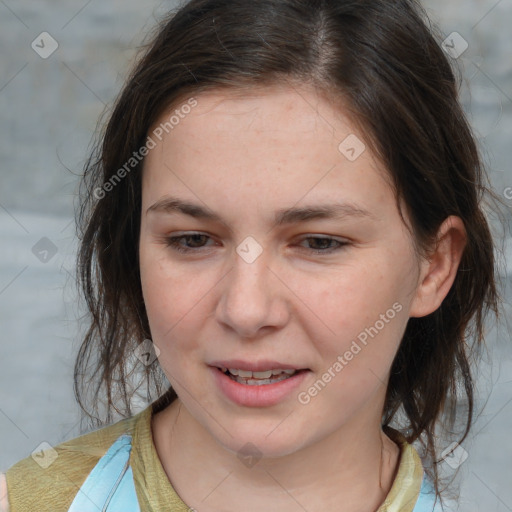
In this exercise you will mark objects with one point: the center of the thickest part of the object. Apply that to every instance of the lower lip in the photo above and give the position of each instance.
(257, 396)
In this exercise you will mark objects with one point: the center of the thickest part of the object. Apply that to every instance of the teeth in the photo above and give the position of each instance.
(261, 375)
(245, 374)
(261, 382)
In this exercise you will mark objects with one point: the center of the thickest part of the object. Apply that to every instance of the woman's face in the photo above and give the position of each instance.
(288, 253)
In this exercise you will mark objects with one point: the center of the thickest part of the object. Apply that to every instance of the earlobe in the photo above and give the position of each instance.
(439, 270)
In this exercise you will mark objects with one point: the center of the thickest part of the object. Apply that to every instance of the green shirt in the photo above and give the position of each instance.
(31, 488)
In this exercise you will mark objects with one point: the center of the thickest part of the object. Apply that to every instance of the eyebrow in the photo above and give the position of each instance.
(336, 211)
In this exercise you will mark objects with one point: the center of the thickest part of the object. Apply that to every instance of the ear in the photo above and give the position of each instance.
(438, 270)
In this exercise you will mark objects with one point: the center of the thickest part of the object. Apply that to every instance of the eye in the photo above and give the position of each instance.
(195, 239)
(324, 245)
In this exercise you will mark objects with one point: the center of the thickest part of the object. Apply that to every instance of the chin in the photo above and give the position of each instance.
(259, 438)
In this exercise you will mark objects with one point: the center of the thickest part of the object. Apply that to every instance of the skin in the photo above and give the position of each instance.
(245, 156)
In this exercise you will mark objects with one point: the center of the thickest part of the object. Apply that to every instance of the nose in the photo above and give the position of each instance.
(253, 299)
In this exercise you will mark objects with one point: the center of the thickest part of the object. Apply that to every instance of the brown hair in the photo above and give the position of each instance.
(381, 58)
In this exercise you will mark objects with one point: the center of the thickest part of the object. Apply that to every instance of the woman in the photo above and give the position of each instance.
(287, 202)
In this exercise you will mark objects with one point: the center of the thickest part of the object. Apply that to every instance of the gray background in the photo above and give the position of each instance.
(49, 110)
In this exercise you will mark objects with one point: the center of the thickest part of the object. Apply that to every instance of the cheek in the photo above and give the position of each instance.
(366, 320)
(351, 298)
(178, 303)
(363, 314)
(169, 294)
(169, 305)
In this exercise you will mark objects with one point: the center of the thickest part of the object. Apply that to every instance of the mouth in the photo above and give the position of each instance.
(261, 378)
(257, 383)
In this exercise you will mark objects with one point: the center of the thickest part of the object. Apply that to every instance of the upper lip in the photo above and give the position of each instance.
(255, 366)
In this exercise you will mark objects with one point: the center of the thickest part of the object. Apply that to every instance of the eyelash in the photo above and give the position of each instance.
(173, 243)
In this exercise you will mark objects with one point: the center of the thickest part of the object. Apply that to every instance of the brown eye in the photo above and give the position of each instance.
(324, 245)
(192, 241)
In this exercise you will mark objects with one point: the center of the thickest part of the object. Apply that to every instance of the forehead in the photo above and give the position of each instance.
(271, 108)
(260, 143)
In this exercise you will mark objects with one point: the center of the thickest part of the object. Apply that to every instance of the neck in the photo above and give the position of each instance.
(353, 468)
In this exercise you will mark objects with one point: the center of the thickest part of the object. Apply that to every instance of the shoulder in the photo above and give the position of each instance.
(412, 490)
(4, 503)
(427, 499)
(50, 479)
